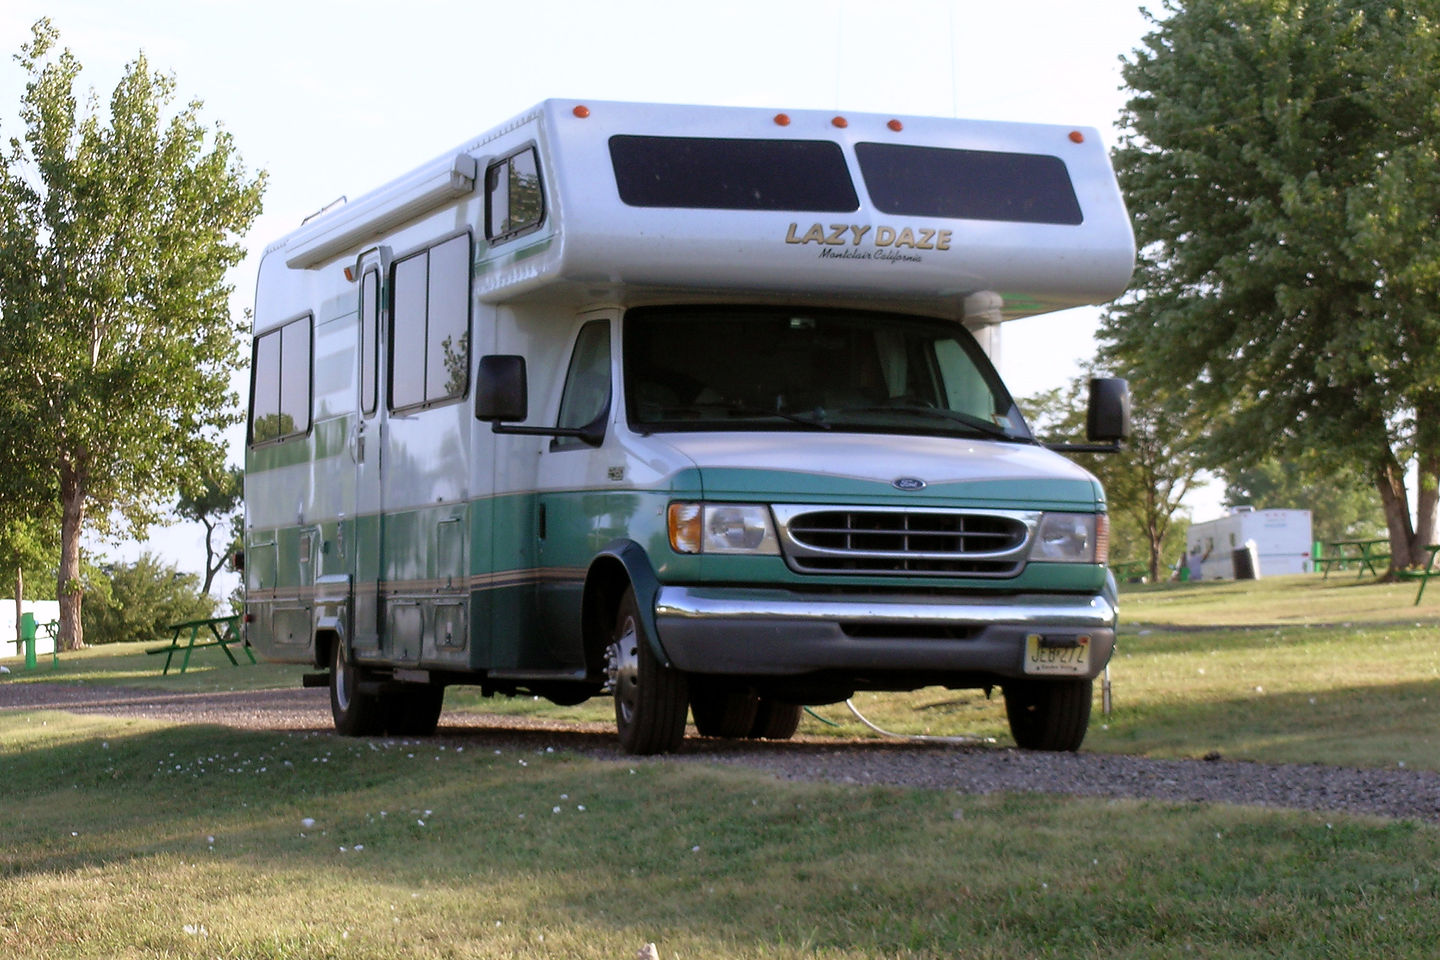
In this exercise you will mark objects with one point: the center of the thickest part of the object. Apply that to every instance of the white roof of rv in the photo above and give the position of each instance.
(997, 220)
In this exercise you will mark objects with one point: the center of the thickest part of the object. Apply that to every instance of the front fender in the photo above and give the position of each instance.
(618, 564)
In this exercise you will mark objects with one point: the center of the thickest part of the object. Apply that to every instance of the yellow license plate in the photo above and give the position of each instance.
(1057, 655)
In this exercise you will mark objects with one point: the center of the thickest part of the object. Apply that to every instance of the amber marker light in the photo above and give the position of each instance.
(1076, 136)
(349, 274)
(581, 111)
(782, 119)
(840, 122)
(895, 125)
(684, 521)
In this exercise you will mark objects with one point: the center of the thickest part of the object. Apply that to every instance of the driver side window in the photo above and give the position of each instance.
(587, 383)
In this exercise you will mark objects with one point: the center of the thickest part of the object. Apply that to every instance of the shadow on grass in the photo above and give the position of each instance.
(505, 835)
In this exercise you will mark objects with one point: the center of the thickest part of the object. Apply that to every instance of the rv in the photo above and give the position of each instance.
(686, 406)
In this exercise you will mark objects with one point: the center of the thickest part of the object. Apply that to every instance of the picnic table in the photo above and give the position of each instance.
(1424, 575)
(223, 631)
(1359, 552)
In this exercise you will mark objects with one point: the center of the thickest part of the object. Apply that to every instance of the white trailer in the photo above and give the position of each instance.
(1282, 540)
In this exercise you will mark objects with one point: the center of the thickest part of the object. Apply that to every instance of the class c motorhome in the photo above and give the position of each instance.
(687, 406)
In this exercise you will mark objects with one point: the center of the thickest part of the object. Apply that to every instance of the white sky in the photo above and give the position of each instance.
(336, 97)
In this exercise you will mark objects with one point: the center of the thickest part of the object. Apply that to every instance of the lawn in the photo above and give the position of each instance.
(132, 838)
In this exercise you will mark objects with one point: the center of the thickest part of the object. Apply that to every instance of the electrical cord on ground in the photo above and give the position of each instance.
(916, 737)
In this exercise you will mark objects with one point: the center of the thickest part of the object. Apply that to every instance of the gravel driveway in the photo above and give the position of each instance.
(1391, 792)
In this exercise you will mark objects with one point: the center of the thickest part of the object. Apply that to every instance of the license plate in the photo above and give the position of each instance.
(1057, 655)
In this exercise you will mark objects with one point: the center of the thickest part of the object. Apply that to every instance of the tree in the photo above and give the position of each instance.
(1146, 481)
(1281, 159)
(139, 601)
(116, 240)
(213, 499)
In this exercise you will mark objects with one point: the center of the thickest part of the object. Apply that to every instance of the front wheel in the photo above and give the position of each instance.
(651, 699)
(356, 714)
(1048, 714)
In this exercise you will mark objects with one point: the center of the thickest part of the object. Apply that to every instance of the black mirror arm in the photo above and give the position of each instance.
(1114, 446)
(592, 434)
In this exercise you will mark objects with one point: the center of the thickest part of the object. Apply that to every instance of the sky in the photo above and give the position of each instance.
(335, 98)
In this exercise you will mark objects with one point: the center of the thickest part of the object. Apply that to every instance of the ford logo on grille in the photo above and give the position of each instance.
(908, 483)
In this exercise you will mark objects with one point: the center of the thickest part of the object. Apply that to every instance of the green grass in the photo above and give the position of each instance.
(129, 838)
(133, 839)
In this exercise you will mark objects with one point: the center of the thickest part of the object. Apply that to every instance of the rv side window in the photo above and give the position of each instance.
(280, 389)
(913, 181)
(430, 325)
(710, 173)
(514, 203)
(587, 383)
(369, 338)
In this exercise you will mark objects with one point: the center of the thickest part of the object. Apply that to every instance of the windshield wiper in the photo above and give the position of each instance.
(812, 421)
(977, 424)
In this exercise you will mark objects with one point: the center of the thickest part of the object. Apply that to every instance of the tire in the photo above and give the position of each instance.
(775, 720)
(722, 712)
(1048, 714)
(355, 714)
(651, 700)
(414, 713)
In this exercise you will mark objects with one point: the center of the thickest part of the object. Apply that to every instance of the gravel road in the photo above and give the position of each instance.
(974, 769)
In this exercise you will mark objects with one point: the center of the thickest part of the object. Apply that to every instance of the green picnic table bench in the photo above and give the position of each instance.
(223, 631)
(1424, 575)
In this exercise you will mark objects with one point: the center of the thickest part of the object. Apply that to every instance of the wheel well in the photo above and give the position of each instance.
(604, 586)
(325, 641)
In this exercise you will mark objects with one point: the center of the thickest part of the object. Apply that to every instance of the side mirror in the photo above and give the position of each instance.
(1108, 418)
(502, 395)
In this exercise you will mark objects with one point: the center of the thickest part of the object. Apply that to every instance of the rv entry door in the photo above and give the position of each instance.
(366, 559)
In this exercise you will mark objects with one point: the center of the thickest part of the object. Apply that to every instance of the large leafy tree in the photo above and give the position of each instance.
(1281, 159)
(116, 233)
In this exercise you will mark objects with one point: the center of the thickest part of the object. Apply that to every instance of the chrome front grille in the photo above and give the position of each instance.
(905, 542)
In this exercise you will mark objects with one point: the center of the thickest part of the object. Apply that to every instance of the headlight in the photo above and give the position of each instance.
(1072, 538)
(722, 528)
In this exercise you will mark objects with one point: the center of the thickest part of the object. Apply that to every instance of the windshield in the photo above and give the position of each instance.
(762, 368)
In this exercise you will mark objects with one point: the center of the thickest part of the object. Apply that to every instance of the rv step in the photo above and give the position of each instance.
(315, 679)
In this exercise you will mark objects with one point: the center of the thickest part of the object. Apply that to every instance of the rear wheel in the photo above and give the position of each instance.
(651, 699)
(775, 720)
(722, 712)
(356, 714)
(1048, 714)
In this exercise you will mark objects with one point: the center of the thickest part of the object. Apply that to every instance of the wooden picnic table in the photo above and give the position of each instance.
(1360, 552)
(223, 632)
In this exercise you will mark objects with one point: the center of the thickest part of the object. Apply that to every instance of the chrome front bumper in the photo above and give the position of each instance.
(759, 632)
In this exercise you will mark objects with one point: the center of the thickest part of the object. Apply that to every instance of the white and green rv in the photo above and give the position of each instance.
(687, 406)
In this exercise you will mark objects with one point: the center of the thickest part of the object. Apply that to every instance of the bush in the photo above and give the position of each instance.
(138, 601)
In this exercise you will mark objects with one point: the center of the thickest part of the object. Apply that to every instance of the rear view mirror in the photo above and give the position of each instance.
(502, 394)
(1108, 417)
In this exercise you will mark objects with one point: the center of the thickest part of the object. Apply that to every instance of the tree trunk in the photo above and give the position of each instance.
(1428, 470)
(1390, 482)
(68, 584)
